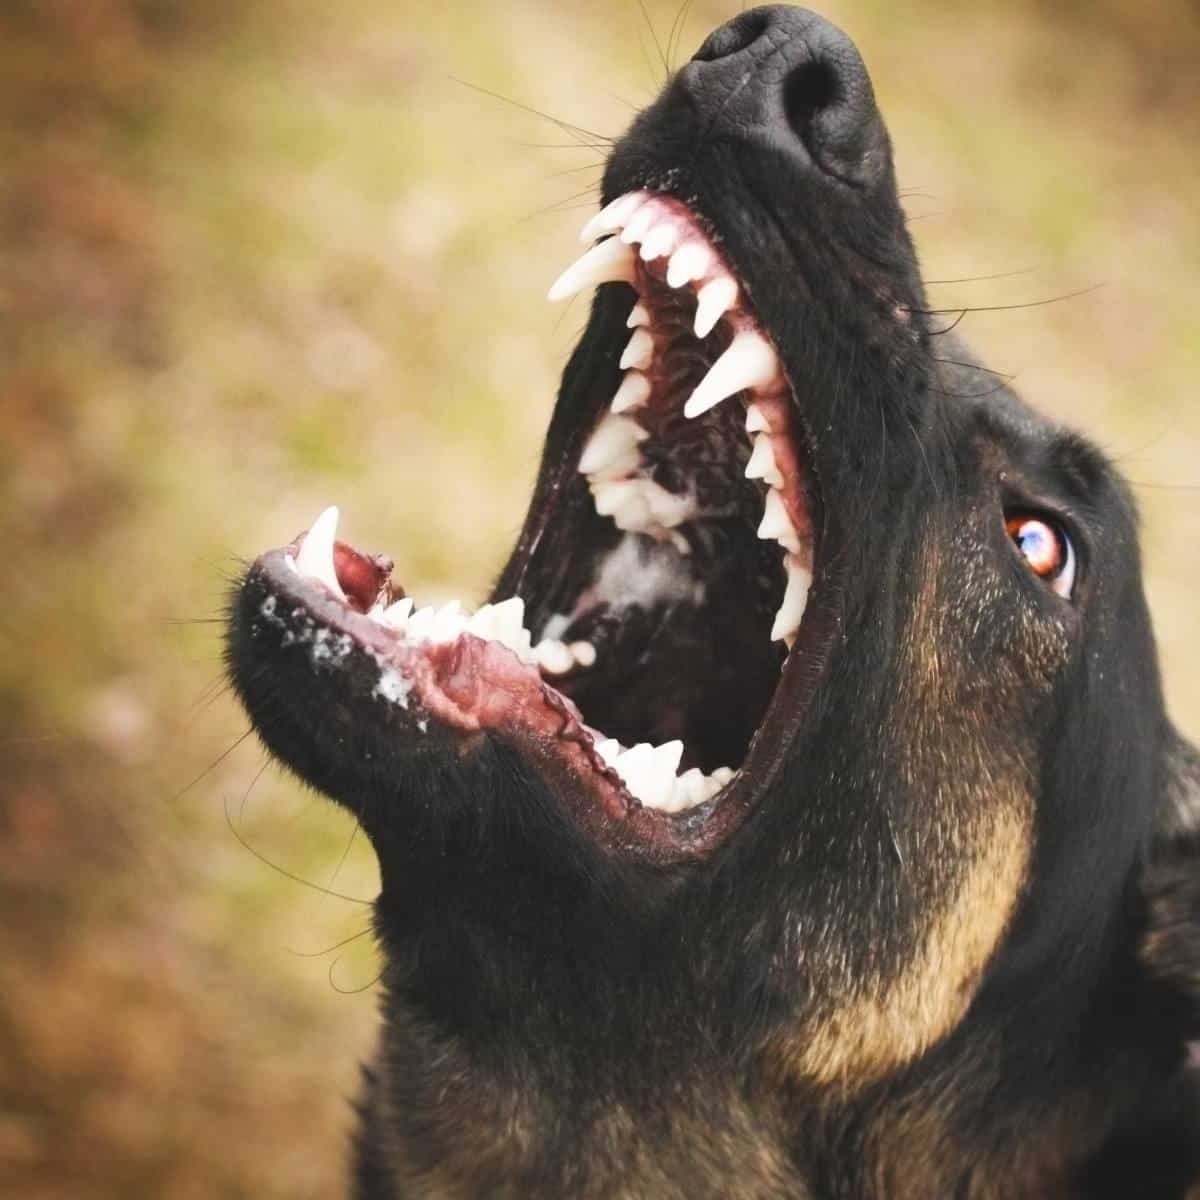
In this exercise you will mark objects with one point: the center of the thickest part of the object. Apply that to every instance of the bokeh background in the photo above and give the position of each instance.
(259, 257)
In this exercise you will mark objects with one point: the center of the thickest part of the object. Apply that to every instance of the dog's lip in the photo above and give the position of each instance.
(439, 680)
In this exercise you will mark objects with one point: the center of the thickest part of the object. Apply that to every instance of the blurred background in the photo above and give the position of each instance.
(258, 258)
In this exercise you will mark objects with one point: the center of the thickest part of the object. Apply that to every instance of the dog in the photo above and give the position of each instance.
(801, 816)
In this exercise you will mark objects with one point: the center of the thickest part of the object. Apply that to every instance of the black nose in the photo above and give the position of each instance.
(789, 74)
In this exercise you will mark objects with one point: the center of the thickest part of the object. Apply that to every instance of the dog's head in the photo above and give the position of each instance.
(814, 722)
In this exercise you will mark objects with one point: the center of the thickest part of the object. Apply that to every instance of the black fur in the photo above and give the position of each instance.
(947, 945)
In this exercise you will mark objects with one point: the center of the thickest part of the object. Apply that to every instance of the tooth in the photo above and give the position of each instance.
(756, 420)
(636, 768)
(640, 351)
(418, 626)
(316, 552)
(396, 615)
(509, 619)
(613, 216)
(721, 776)
(713, 301)
(689, 262)
(762, 463)
(748, 363)
(637, 226)
(795, 599)
(609, 495)
(483, 622)
(504, 623)
(777, 524)
(660, 779)
(610, 261)
(584, 654)
(633, 392)
(610, 750)
(690, 789)
(614, 439)
(659, 241)
(667, 508)
(633, 512)
(555, 658)
(448, 622)
(638, 315)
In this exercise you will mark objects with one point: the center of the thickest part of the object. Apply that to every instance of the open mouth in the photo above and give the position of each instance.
(659, 601)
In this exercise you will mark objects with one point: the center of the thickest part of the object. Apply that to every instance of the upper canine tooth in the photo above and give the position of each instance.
(612, 216)
(638, 315)
(640, 351)
(613, 439)
(713, 301)
(777, 524)
(762, 462)
(689, 262)
(638, 225)
(795, 600)
(610, 261)
(316, 552)
(749, 362)
(659, 241)
(633, 392)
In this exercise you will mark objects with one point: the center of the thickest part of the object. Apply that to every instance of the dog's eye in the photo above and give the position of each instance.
(1047, 550)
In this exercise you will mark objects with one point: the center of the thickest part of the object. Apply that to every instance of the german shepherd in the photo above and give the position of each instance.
(800, 817)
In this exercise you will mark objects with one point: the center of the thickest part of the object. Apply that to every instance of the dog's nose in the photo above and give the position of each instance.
(790, 74)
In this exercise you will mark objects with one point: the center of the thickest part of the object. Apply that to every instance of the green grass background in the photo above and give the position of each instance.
(257, 258)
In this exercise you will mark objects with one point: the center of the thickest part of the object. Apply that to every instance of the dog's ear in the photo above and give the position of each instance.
(1170, 949)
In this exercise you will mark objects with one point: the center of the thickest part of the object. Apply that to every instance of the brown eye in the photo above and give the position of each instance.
(1046, 549)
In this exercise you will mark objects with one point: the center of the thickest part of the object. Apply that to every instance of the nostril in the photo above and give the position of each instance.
(738, 34)
(811, 88)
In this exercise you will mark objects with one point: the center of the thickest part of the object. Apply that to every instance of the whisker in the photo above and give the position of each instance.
(216, 762)
(274, 866)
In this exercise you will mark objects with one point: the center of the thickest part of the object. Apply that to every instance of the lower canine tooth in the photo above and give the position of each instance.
(777, 524)
(633, 392)
(315, 558)
(795, 600)
(748, 363)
